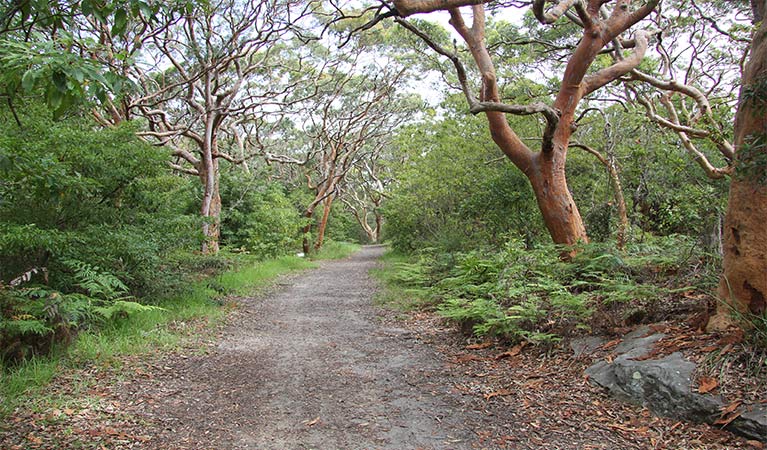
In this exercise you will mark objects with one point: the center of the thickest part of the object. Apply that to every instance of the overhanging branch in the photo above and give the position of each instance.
(475, 106)
(409, 7)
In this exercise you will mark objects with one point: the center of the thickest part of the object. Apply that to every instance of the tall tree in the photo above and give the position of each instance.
(205, 72)
(350, 116)
(743, 285)
(364, 193)
(689, 90)
(545, 169)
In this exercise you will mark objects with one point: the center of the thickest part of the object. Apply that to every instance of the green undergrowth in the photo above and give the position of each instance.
(335, 250)
(516, 293)
(183, 317)
(404, 283)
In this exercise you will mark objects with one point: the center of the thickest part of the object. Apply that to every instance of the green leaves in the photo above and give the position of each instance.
(40, 66)
(43, 59)
(29, 80)
(453, 190)
(120, 22)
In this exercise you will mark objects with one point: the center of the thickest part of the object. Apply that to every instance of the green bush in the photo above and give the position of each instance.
(72, 191)
(88, 218)
(259, 216)
(518, 293)
(454, 193)
(34, 319)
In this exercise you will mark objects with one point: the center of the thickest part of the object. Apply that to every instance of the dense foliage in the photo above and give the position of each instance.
(88, 220)
(478, 252)
(454, 193)
(94, 227)
(517, 293)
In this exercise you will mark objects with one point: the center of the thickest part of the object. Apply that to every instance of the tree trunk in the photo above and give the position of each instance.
(743, 285)
(211, 206)
(615, 183)
(620, 203)
(306, 245)
(379, 222)
(561, 216)
(544, 169)
(326, 204)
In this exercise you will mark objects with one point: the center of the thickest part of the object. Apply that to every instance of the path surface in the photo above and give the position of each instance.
(317, 366)
(308, 367)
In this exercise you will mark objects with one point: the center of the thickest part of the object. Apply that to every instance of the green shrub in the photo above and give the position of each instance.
(531, 294)
(72, 191)
(454, 193)
(259, 216)
(37, 318)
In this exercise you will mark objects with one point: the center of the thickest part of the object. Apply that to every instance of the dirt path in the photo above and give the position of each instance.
(311, 367)
(317, 366)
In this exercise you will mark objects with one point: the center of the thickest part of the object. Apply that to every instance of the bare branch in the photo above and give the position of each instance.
(407, 8)
(621, 67)
(182, 169)
(554, 13)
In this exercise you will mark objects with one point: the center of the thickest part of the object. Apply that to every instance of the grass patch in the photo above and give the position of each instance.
(398, 293)
(31, 376)
(183, 317)
(258, 275)
(336, 250)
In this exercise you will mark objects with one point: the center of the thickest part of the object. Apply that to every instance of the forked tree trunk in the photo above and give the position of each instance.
(545, 169)
(322, 226)
(743, 285)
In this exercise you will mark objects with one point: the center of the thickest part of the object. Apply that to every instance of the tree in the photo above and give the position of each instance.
(449, 192)
(350, 116)
(689, 91)
(205, 73)
(350, 124)
(544, 169)
(43, 52)
(364, 193)
(743, 285)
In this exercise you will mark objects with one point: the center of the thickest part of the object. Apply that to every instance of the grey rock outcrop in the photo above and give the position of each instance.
(665, 386)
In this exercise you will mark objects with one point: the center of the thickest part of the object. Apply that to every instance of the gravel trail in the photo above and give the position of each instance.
(312, 367)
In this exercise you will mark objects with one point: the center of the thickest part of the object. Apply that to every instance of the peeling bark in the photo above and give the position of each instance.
(326, 204)
(743, 285)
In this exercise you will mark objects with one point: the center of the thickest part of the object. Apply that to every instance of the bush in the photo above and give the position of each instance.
(35, 319)
(259, 216)
(87, 219)
(74, 192)
(457, 195)
(531, 294)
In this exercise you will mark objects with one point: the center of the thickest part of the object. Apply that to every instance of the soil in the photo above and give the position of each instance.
(316, 365)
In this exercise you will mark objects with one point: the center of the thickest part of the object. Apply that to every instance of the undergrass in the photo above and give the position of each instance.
(259, 275)
(183, 317)
(335, 250)
(396, 294)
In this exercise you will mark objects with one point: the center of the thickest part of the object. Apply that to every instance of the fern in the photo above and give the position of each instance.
(97, 283)
(124, 308)
(24, 327)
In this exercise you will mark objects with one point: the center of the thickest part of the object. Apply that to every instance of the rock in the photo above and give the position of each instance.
(639, 342)
(586, 345)
(751, 424)
(665, 386)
